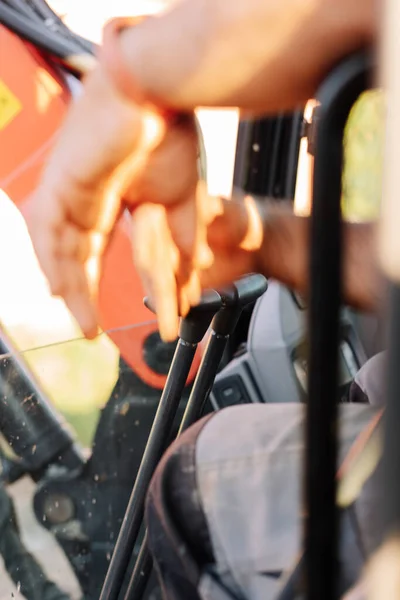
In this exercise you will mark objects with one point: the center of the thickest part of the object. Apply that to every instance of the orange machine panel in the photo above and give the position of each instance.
(34, 98)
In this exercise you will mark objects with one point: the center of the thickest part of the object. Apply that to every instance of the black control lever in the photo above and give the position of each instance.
(194, 326)
(192, 329)
(234, 299)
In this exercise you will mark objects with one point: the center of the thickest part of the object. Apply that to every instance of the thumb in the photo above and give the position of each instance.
(236, 224)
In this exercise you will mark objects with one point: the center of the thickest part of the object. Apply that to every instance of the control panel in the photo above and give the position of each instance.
(273, 367)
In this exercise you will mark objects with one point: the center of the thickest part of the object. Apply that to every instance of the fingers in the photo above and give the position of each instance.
(205, 212)
(170, 179)
(254, 235)
(235, 224)
(188, 286)
(229, 223)
(43, 228)
(192, 289)
(156, 259)
(77, 297)
(168, 276)
(228, 265)
(188, 222)
(171, 171)
(235, 235)
(189, 234)
(63, 252)
(171, 275)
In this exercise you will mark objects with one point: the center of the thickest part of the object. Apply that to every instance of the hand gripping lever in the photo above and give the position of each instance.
(234, 298)
(191, 331)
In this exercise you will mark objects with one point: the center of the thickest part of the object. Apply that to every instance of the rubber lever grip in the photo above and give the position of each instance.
(250, 288)
(194, 326)
(245, 290)
(210, 301)
(235, 297)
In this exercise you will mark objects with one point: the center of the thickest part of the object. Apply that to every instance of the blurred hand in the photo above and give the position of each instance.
(113, 155)
(234, 234)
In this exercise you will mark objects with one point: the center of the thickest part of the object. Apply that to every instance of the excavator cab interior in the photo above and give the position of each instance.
(80, 487)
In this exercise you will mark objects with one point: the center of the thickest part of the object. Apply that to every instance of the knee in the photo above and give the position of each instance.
(368, 385)
(176, 466)
(173, 512)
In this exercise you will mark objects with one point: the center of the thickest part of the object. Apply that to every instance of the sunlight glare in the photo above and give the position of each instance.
(25, 300)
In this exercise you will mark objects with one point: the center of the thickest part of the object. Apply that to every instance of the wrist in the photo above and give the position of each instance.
(265, 208)
(270, 257)
(114, 62)
(254, 231)
(100, 132)
(121, 121)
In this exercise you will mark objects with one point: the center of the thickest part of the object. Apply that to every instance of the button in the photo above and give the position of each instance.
(231, 395)
(230, 391)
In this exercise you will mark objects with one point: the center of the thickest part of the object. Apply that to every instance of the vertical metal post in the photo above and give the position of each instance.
(336, 96)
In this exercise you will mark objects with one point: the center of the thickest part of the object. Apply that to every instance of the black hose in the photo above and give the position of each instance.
(22, 7)
(38, 35)
(42, 9)
(54, 22)
(40, 12)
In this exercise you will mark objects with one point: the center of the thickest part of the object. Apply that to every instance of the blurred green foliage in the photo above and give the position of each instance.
(79, 374)
(363, 147)
(84, 424)
(78, 377)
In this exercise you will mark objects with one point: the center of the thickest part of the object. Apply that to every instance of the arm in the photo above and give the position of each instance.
(262, 56)
(284, 256)
(279, 248)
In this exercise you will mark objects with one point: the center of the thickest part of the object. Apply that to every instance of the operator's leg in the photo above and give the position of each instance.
(181, 543)
(367, 386)
(224, 508)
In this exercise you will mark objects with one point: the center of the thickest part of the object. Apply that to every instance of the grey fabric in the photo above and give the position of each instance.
(370, 379)
(357, 593)
(249, 460)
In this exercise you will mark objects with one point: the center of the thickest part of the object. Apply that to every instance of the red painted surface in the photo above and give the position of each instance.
(24, 145)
